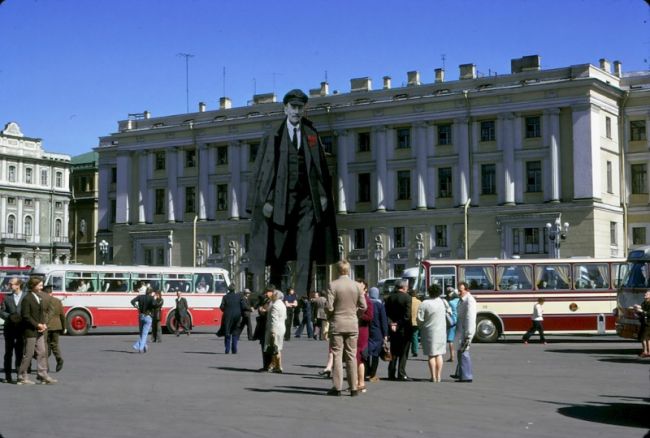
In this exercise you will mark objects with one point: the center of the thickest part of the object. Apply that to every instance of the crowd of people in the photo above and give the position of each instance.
(34, 320)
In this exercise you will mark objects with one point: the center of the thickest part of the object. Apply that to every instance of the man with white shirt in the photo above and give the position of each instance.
(13, 328)
(290, 200)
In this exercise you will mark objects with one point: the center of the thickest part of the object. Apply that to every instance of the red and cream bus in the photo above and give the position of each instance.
(100, 295)
(579, 293)
(631, 292)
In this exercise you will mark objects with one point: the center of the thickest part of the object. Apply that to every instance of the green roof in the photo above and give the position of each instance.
(87, 158)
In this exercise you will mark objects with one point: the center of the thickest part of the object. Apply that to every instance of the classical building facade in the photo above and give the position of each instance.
(415, 166)
(83, 208)
(34, 201)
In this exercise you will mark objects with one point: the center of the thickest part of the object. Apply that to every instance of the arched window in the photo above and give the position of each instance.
(57, 228)
(27, 229)
(11, 224)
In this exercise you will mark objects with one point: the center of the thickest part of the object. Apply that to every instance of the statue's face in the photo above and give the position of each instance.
(294, 112)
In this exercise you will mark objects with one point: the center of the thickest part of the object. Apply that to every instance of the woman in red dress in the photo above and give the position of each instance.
(365, 319)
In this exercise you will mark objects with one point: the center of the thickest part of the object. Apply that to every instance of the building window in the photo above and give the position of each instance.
(29, 202)
(190, 199)
(27, 227)
(160, 201)
(610, 181)
(359, 272)
(58, 205)
(11, 200)
(488, 179)
(216, 244)
(44, 178)
(247, 242)
(113, 175)
(57, 228)
(11, 224)
(444, 182)
(488, 130)
(403, 138)
(533, 127)
(113, 213)
(160, 160)
(398, 269)
(639, 179)
(399, 237)
(12, 174)
(638, 236)
(608, 127)
(441, 236)
(359, 238)
(28, 175)
(637, 130)
(59, 179)
(222, 197)
(328, 143)
(613, 235)
(190, 158)
(403, 185)
(363, 187)
(533, 176)
(363, 142)
(531, 240)
(222, 155)
(252, 151)
(444, 135)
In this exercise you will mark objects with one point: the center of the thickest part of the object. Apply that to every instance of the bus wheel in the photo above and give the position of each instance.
(487, 329)
(78, 323)
(171, 323)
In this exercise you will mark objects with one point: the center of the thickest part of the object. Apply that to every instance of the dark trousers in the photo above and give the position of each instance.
(182, 322)
(231, 342)
(156, 330)
(293, 241)
(536, 327)
(372, 363)
(53, 344)
(400, 343)
(13, 346)
(246, 322)
(288, 322)
(306, 321)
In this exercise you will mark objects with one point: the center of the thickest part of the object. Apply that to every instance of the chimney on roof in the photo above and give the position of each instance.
(201, 107)
(225, 103)
(387, 82)
(360, 84)
(440, 75)
(526, 63)
(604, 65)
(264, 98)
(467, 71)
(147, 115)
(413, 78)
(618, 69)
(324, 88)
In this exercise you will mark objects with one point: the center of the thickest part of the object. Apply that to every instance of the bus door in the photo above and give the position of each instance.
(443, 277)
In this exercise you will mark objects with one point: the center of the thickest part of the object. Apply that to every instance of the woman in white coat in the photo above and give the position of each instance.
(432, 322)
(275, 329)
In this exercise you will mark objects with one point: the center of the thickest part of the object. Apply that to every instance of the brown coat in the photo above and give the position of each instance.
(344, 300)
(56, 321)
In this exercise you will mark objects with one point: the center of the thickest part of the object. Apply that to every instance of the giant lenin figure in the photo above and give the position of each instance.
(290, 200)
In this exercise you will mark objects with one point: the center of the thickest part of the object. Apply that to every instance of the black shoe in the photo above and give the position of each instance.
(59, 365)
(404, 379)
(334, 392)
(354, 393)
(464, 381)
(454, 376)
(325, 373)
(277, 370)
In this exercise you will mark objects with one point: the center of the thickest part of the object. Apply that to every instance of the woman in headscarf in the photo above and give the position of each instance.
(275, 329)
(378, 333)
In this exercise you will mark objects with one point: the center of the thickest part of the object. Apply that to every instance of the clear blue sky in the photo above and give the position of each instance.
(70, 69)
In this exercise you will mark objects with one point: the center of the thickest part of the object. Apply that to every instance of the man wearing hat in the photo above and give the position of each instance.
(290, 200)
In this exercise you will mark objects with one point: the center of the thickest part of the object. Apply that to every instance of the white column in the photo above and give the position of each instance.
(3, 218)
(202, 189)
(143, 176)
(124, 185)
(180, 190)
(421, 165)
(104, 206)
(379, 139)
(234, 164)
(37, 221)
(586, 152)
(19, 217)
(519, 179)
(345, 141)
(552, 121)
(149, 202)
(211, 195)
(461, 141)
(505, 140)
(390, 180)
(431, 174)
(172, 183)
(66, 221)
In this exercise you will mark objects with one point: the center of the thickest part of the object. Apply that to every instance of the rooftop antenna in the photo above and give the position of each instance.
(187, 57)
(443, 57)
(274, 74)
(326, 76)
(224, 82)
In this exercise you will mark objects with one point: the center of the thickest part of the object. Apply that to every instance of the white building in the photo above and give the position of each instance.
(34, 201)
(505, 154)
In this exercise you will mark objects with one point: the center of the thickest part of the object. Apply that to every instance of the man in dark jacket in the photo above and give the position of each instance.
(231, 308)
(145, 305)
(398, 310)
(290, 200)
(13, 328)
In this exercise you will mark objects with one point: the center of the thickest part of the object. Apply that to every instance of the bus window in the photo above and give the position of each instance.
(145, 280)
(478, 277)
(553, 277)
(177, 282)
(619, 270)
(220, 285)
(203, 283)
(114, 282)
(443, 277)
(515, 277)
(591, 276)
(80, 282)
(637, 275)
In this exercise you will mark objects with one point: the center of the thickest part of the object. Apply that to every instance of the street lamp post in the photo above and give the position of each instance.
(232, 254)
(419, 248)
(103, 250)
(379, 254)
(557, 232)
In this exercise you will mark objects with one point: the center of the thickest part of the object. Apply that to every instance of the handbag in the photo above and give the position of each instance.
(385, 354)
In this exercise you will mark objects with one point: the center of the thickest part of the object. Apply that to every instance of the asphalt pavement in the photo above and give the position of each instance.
(187, 387)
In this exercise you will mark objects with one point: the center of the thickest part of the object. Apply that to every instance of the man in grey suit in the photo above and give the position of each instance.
(344, 300)
(465, 329)
(13, 328)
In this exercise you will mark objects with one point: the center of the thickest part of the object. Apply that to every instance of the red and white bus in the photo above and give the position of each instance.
(631, 292)
(579, 293)
(100, 295)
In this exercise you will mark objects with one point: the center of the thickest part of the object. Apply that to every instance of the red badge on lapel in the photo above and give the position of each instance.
(312, 141)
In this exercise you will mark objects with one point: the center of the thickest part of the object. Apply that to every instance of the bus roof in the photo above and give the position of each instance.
(574, 260)
(41, 269)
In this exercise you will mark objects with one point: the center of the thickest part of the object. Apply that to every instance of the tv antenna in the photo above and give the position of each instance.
(187, 57)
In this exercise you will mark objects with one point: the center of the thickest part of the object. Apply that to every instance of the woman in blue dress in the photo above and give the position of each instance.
(453, 299)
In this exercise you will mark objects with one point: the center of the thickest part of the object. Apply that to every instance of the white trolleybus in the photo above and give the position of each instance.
(579, 293)
(100, 295)
(631, 292)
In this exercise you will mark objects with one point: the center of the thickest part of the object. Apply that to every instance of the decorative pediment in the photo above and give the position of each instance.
(13, 129)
